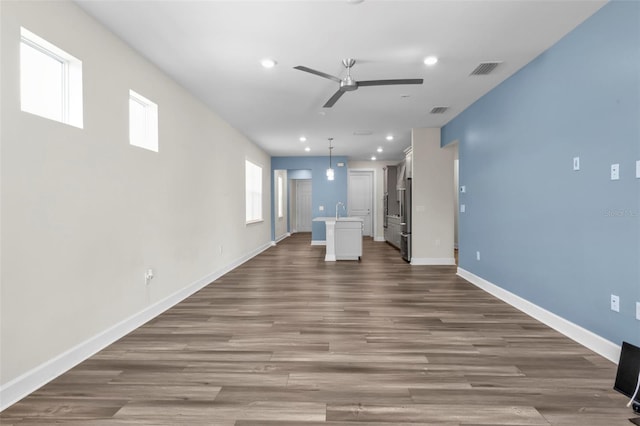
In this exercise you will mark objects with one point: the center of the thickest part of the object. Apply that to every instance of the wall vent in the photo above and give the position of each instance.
(485, 68)
(439, 110)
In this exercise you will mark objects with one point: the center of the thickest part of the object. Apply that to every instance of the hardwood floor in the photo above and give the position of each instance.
(288, 339)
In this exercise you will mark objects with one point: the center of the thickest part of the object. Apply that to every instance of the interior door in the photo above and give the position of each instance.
(360, 198)
(303, 205)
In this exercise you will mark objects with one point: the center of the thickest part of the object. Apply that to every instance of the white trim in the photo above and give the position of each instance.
(432, 261)
(20, 387)
(318, 243)
(280, 238)
(592, 341)
(379, 239)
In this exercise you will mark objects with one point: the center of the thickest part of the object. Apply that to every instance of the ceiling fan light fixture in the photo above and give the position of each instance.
(268, 63)
(431, 60)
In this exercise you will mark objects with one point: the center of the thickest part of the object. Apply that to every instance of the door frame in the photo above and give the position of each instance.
(374, 195)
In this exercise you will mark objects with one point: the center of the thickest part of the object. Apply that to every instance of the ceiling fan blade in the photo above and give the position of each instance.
(332, 100)
(390, 82)
(316, 72)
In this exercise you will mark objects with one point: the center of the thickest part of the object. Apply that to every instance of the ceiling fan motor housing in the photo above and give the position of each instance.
(348, 84)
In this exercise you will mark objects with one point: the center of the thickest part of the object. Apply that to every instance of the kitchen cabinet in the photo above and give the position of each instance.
(343, 238)
(348, 240)
(392, 231)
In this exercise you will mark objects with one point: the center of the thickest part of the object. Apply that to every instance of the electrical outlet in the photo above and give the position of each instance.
(615, 171)
(638, 311)
(638, 169)
(148, 276)
(576, 163)
(477, 255)
(463, 188)
(615, 303)
(462, 208)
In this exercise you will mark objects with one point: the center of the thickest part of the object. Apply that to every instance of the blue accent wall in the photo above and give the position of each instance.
(565, 240)
(324, 192)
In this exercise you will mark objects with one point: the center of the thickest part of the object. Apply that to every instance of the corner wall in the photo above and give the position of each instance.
(84, 214)
(560, 239)
(433, 199)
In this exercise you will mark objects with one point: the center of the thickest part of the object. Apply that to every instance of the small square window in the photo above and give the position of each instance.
(50, 81)
(143, 122)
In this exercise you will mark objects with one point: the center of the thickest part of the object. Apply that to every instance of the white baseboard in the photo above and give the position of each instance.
(379, 239)
(581, 335)
(433, 261)
(318, 243)
(280, 238)
(18, 388)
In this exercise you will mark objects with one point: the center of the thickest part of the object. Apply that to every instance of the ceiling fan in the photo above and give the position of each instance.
(348, 84)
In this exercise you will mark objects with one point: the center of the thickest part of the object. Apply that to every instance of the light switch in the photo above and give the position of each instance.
(638, 169)
(321, 208)
(615, 171)
(576, 163)
(462, 208)
(463, 189)
(615, 303)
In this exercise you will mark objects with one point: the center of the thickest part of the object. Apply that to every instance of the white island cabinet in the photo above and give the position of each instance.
(343, 238)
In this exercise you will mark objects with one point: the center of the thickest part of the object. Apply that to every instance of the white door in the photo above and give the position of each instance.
(303, 205)
(361, 198)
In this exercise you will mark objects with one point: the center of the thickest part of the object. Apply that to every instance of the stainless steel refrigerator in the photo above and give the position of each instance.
(405, 236)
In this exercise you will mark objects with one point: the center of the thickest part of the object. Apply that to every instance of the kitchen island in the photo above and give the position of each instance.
(343, 237)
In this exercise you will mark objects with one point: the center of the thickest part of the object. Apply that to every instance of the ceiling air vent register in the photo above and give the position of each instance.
(485, 68)
(439, 110)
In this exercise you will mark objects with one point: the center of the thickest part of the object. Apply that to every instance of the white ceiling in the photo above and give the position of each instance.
(214, 49)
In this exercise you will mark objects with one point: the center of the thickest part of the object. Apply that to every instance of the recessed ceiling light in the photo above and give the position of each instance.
(373, 158)
(307, 149)
(389, 137)
(303, 139)
(430, 60)
(380, 149)
(268, 63)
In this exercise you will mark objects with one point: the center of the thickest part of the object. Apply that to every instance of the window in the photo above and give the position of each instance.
(280, 197)
(143, 122)
(50, 80)
(253, 191)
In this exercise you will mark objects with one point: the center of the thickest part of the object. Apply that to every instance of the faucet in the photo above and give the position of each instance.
(340, 203)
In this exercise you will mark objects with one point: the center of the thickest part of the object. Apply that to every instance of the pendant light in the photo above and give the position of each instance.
(330, 174)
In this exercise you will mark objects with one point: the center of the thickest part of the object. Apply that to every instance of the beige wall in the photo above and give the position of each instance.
(433, 199)
(84, 214)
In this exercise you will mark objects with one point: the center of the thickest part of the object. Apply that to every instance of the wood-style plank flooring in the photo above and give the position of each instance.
(287, 339)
